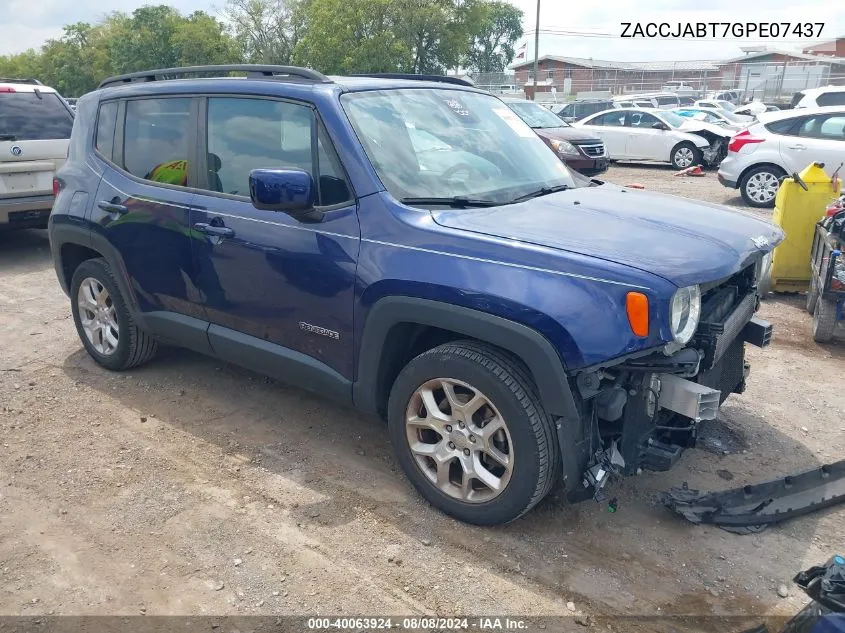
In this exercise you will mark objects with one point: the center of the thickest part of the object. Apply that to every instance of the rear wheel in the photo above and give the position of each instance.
(102, 320)
(760, 186)
(471, 434)
(685, 155)
(824, 320)
(812, 295)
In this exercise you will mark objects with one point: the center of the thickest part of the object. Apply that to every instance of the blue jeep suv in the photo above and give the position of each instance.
(407, 246)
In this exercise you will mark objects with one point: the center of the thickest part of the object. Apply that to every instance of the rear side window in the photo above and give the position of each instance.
(106, 120)
(786, 126)
(155, 145)
(831, 98)
(831, 127)
(612, 119)
(33, 116)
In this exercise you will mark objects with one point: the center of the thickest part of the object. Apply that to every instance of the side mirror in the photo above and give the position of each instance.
(289, 190)
(659, 126)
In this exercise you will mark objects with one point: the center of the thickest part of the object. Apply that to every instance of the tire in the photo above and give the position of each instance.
(760, 185)
(134, 347)
(507, 390)
(685, 155)
(824, 320)
(812, 295)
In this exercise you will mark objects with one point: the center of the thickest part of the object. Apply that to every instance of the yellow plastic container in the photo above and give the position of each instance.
(797, 212)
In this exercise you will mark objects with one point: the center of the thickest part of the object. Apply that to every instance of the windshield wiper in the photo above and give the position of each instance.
(457, 202)
(542, 191)
(8, 137)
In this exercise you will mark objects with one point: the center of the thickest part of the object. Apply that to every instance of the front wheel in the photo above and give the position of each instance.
(471, 434)
(685, 155)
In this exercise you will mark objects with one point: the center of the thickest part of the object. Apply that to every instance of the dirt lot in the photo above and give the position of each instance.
(192, 487)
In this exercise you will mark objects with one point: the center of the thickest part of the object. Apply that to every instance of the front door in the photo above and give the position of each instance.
(644, 141)
(270, 281)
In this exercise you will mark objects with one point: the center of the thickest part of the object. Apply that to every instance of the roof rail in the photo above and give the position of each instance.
(446, 79)
(20, 80)
(252, 70)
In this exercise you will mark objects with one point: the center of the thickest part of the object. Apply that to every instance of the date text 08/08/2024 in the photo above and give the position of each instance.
(493, 623)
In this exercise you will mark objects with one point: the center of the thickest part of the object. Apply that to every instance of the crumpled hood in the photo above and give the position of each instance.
(692, 126)
(681, 240)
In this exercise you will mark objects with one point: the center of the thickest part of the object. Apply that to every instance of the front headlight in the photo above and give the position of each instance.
(564, 148)
(685, 312)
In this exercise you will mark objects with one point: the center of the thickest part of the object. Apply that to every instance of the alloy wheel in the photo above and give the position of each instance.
(97, 316)
(459, 440)
(762, 187)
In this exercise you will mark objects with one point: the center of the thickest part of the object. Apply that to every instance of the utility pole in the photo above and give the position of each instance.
(536, 50)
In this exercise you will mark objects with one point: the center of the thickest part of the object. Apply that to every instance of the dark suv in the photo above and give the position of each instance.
(413, 249)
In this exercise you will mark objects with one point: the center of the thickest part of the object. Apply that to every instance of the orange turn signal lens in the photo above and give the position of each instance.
(636, 304)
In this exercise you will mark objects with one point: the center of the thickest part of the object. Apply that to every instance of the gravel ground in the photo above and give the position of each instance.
(192, 487)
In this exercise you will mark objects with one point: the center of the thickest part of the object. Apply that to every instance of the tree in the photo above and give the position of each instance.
(267, 31)
(492, 48)
(352, 36)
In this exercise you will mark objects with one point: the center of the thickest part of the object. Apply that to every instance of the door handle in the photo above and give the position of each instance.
(210, 229)
(797, 146)
(113, 207)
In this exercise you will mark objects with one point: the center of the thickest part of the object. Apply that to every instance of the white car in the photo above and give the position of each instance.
(819, 97)
(781, 143)
(716, 117)
(659, 135)
(35, 124)
(723, 106)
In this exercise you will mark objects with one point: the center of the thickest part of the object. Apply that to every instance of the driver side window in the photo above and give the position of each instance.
(642, 120)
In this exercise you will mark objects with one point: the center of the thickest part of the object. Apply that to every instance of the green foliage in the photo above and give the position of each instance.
(151, 37)
(499, 26)
(333, 36)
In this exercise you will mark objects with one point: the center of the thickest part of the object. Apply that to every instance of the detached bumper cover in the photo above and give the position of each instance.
(751, 508)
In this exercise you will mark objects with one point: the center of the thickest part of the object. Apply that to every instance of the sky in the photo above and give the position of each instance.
(28, 23)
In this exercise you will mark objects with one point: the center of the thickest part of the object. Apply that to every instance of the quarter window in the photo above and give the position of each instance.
(155, 145)
(104, 141)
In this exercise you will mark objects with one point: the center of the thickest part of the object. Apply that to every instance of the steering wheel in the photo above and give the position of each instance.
(458, 168)
(800, 181)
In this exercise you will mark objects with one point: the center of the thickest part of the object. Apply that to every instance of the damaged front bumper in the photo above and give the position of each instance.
(751, 508)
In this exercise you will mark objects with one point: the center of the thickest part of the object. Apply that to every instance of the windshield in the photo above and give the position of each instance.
(535, 115)
(726, 105)
(441, 143)
(672, 119)
(730, 116)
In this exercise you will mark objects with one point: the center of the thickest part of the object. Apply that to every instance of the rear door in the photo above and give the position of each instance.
(35, 128)
(143, 202)
(819, 138)
(609, 127)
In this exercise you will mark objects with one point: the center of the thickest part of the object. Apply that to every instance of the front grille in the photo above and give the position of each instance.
(593, 150)
(726, 309)
(727, 374)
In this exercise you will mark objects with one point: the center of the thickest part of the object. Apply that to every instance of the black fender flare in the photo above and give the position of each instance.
(63, 233)
(524, 342)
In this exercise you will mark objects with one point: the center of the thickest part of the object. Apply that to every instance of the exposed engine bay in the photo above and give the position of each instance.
(643, 412)
(717, 137)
